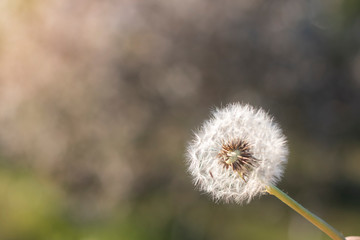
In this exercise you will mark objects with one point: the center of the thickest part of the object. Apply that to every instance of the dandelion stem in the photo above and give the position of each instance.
(321, 224)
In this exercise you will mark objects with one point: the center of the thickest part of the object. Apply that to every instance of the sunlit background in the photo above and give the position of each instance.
(98, 100)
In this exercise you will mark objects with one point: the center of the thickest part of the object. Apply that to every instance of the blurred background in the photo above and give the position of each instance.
(98, 100)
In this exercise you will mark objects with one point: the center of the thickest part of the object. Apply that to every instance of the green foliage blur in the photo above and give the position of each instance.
(98, 100)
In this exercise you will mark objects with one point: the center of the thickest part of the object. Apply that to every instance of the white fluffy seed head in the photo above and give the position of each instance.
(229, 127)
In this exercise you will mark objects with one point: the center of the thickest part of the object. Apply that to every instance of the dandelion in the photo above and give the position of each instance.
(240, 153)
(237, 141)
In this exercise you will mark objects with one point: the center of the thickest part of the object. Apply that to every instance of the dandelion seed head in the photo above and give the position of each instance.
(237, 153)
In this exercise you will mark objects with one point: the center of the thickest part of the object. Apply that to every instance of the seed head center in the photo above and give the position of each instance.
(233, 156)
(237, 155)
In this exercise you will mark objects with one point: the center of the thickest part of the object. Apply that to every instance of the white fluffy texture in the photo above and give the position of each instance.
(243, 122)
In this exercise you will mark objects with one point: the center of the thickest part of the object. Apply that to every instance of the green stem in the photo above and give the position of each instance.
(321, 224)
